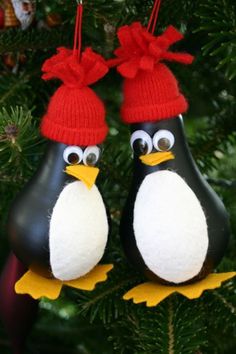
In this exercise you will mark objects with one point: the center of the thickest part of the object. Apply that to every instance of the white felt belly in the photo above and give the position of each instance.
(78, 231)
(170, 227)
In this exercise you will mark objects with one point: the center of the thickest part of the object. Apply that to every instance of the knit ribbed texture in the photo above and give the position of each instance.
(152, 96)
(75, 115)
(151, 91)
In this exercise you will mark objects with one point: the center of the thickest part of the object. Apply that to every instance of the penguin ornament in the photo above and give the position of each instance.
(58, 225)
(174, 227)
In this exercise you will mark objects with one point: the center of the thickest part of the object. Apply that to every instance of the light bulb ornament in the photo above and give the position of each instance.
(174, 228)
(58, 225)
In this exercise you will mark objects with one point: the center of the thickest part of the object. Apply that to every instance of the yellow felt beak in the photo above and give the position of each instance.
(86, 174)
(156, 158)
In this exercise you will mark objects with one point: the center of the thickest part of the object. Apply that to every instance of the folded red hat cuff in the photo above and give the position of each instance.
(70, 136)
(155, 112)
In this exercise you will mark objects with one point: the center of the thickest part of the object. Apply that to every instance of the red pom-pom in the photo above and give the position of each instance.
(140, 50)
(66, 66)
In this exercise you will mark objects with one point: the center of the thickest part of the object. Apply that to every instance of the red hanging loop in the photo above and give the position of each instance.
(78, 31)
(154, 15)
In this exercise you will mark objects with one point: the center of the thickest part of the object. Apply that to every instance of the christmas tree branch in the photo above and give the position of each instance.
(171, 327)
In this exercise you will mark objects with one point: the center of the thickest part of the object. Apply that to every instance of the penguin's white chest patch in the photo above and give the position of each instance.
(170, 227)
(78, 231)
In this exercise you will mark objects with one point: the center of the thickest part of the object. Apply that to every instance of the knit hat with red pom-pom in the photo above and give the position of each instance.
(75, 115)
(151, 91)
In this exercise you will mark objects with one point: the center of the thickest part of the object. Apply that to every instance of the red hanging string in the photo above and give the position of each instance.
(154, 15)
(78, 31)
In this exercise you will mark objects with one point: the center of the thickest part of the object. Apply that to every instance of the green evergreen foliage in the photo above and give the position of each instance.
(100, 322)
(218, 22)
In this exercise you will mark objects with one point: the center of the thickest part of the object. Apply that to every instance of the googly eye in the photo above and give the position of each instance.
(163, 140)
(141, 142)
(91, 155)
(73, 155)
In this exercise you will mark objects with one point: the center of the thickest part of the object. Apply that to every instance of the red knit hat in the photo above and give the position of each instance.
(75, 115)
(151, 91)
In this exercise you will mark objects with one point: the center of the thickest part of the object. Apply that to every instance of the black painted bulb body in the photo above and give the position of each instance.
(28, 221)
(148, 139)
(49, 224)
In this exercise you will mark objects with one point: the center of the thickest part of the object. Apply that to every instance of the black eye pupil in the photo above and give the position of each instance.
(164, 144)
(140, 146)
(73, 158)
(91, 159)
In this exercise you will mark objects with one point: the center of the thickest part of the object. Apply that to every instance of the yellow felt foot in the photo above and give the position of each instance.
(154, 293)
(89, 281)
(37, 286)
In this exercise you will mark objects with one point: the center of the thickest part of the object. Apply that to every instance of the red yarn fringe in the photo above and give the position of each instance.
(72, 72)
(140, 50)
